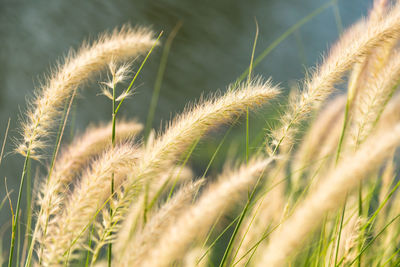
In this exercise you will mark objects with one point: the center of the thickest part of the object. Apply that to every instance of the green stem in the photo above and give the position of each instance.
(29, 206)
(373, 239)
(183, 164)
(18, 242)
(282, 37)
(137, 74)
(248, 82)
(159, 78)
(346, 118)
(237, 218)
(360, 211)
(89, 245)
(320, 243)
(16, 214)
(340, 232)
(338, 18)
(247, 135)
(216, 239)
(253, 249)
(244, 211)
(114, 117)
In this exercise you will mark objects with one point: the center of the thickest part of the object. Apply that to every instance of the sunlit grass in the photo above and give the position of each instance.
(242, 197)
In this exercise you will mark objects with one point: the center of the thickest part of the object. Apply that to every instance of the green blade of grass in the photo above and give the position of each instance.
(89, 245)
(18, 240)
(159, 78)
(255, 246)
(241, 218)
(396, 253)
(338, 18)
(283, 36)
(248, 82)
(4, 140)
(237, 218)
(375, 214)
(340, 230)
(16, 214)
(183, 164)
(320, 242)
(374, 238)
(218, 238)
(30, 207)
(218, 148)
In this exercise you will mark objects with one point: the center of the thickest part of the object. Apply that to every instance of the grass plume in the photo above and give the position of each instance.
(78, 68)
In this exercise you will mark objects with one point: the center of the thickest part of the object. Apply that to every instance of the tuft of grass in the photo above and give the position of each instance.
(328, 196)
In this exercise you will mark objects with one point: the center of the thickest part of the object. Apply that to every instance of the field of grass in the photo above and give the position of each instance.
(316, 185)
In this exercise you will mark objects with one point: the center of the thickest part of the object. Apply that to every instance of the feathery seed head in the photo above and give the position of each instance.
(352, 47)
(119, 73)
(329, 195)
(76, 69)
(71, 162)
(193, 224)
(88, 197)
(134, 250)
(203, 117)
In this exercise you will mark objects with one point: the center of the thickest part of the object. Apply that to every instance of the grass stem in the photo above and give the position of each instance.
(15, 221)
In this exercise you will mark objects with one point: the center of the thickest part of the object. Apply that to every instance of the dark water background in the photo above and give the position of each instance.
(211, 50)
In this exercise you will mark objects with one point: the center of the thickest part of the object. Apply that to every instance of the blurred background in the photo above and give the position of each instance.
(211, 49)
